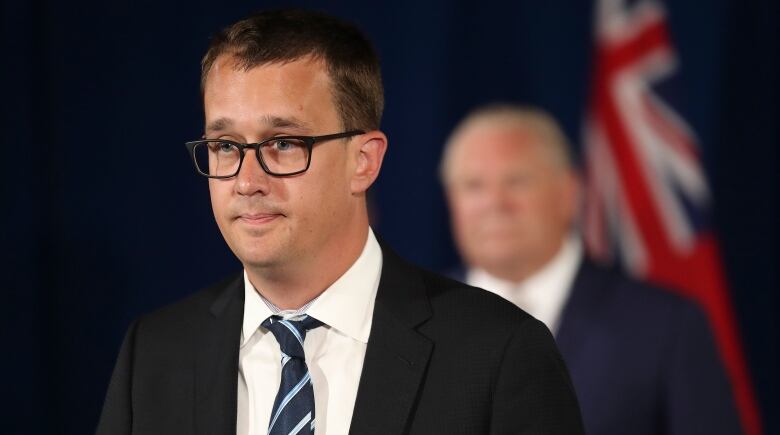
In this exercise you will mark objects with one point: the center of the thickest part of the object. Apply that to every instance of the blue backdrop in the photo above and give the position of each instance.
(104, 218)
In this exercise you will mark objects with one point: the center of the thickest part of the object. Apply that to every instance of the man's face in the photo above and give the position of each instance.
(511, 202)
(277, 221)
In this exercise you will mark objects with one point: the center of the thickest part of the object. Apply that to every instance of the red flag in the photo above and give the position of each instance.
(647, 193)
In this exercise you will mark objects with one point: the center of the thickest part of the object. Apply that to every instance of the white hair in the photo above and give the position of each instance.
(511, 116)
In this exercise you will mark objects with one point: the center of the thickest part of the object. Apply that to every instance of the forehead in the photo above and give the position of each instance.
(489, 146)
(300, 89)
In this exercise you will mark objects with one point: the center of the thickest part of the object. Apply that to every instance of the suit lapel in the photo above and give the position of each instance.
(396, 355)
(581, 314)
(216, 362)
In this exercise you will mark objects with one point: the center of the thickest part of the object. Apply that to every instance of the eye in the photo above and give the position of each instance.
(223, 147)
(283, 144)
(472, 185)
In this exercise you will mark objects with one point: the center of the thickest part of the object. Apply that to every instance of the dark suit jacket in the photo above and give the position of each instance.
(642, 360)
(442, 358)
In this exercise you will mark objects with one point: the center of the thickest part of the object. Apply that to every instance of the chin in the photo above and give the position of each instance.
(256, 263)
(257, 260)
(497, 244)
(253, 251)
(499, 253)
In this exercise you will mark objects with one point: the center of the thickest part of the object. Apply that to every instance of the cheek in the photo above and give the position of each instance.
(470, 203)
(544, 212)
(465, 216)
(316, 204)
(219, 193)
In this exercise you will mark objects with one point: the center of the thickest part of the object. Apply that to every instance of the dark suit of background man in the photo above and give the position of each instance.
(642, 361)
(400, 350)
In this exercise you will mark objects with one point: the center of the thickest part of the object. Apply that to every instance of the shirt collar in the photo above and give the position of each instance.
(548, 289)
(255, 311)
(544, 293)
(347, 305)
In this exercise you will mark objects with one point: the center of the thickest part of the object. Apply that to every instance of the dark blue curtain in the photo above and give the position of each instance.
(103, 217)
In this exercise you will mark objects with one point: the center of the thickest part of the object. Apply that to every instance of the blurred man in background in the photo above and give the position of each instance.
(642, 360)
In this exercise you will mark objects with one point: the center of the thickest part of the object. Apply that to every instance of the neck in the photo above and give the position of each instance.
(515, 274)
(292, 286)
(517, 271)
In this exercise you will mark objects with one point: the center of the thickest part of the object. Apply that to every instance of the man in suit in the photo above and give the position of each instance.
(326, 328)
(642, 360)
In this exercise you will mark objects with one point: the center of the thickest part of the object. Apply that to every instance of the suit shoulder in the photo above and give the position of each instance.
(466, 317)
(456, 298)
(617, 291)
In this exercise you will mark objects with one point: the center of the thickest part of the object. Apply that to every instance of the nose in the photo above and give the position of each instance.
(251, 178)
(498, 198)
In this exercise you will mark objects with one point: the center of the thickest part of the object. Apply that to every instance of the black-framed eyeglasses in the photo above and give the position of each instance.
(279, 156)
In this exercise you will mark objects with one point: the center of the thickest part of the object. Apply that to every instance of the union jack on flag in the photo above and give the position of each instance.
(647, 196)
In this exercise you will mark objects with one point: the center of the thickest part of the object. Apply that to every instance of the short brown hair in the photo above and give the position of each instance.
(288, 35)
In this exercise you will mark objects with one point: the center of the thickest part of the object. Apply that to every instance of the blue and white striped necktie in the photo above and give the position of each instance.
(293, 411)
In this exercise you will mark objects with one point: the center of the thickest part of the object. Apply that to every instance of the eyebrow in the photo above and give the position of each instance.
(280, 122)
(221, 124)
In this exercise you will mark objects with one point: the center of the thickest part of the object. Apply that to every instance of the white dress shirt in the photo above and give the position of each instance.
(334, 352)
(543, 294)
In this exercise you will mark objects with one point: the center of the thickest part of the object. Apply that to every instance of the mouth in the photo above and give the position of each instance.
(258, 218)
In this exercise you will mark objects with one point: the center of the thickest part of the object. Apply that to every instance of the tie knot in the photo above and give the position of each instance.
(291, 333)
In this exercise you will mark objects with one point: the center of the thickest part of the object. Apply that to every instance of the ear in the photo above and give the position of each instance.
(369, 155)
